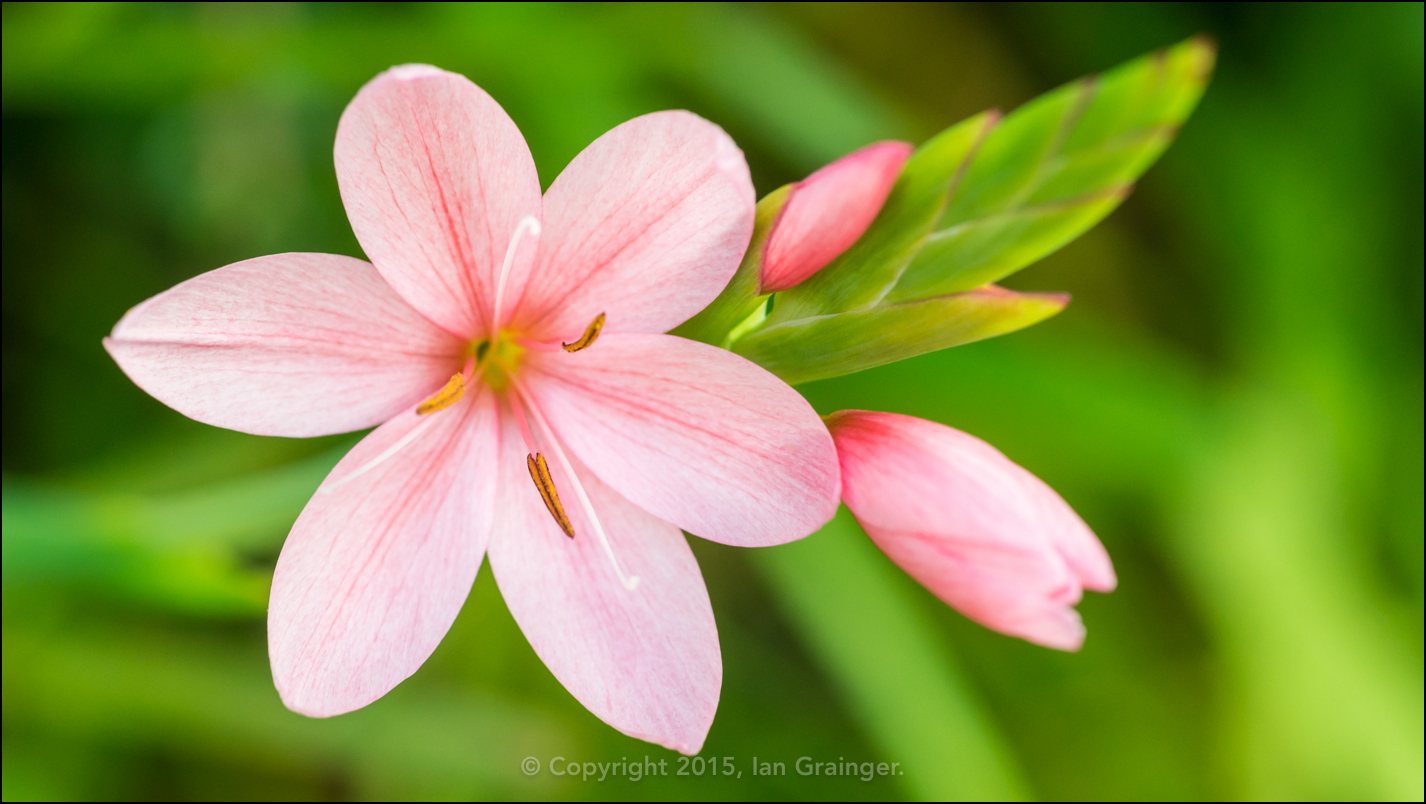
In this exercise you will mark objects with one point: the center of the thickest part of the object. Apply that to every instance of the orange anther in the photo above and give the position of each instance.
(443, 398)
(589, 337)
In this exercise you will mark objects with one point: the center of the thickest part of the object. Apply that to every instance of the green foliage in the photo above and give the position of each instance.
(989, 248)
(1056, 167)
(183, 552)
(860, 616)
(978, 202)
(861, 275)
(797, 350)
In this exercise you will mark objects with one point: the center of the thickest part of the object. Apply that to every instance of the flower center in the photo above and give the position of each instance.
(496, 362)
(500, 362)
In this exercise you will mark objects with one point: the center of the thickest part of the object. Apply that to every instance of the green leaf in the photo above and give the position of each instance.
(1007, 165)
(208, 701)
(984, 250)
(1056, 167)
(827, 346)
(862, 274)
(743, 295)
(860, 619)
(975, 204)
(182, 552)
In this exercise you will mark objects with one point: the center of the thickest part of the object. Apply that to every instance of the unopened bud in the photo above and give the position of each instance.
(826, 212)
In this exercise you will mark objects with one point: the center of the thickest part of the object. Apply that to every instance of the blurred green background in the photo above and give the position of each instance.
(1233, 402)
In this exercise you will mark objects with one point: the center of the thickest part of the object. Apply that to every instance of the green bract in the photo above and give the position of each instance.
(797, 350)
(978, 202)
(721, 320)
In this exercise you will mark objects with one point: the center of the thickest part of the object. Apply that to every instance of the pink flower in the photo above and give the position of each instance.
(986, 536)
(508, 346)
(826, 212)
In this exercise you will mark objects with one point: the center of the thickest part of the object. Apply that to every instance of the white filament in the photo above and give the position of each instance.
(526, 224)
(630, 582)
(378, 460)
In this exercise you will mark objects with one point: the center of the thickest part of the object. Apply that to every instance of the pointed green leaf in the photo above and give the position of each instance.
(831, 345)
(1075, 150)
(742, 297)
(1007, 166)
(862, 275)
(984, 250)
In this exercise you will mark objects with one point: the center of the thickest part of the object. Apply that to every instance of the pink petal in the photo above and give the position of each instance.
(1011, 588)
(382, 558)
(828, 211)
(435, 178)
(647, 225)
(983, 534)
(693, 434)
(288, 345)
(644, 661)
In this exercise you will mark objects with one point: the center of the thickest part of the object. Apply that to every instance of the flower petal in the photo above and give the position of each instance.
(436, 177)
(644, 661)
(289, 345)
(647, 225)
(382, 558)
(828, 211)
(983, 534)
(693, 434)
(1011, 588)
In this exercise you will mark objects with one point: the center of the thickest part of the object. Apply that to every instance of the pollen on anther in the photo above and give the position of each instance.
(591, 334)
(545, 484)
(444, 398)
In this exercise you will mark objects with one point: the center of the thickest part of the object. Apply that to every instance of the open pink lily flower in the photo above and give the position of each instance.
(986, 536)
(509, 347)
(826, 212)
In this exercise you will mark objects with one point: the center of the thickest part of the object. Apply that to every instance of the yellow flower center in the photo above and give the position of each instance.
(502, 365)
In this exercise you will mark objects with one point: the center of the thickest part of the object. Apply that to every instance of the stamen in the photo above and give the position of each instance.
(540, 473)
(328, 488)
(589, 337)
(439, 402)
(630, 582)
(445, 397)
(526, 224)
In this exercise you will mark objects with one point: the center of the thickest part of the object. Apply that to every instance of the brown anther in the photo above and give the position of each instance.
(589, 337)
(540, 473)
(443, 398)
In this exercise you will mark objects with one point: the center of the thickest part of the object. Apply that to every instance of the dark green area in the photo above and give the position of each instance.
(1233, 401)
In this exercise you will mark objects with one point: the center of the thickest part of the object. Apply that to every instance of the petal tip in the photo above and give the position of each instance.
(308, 711)
(304, 702)
(729, 157)
(686, 744)
(411, 72)
(1060, 629)
(1101, 579)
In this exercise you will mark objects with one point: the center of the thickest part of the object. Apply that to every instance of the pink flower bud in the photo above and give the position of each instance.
(827, 211)
(986, 536)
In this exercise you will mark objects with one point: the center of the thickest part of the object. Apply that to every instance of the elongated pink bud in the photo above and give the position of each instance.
(828, 211)
(986, 536)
